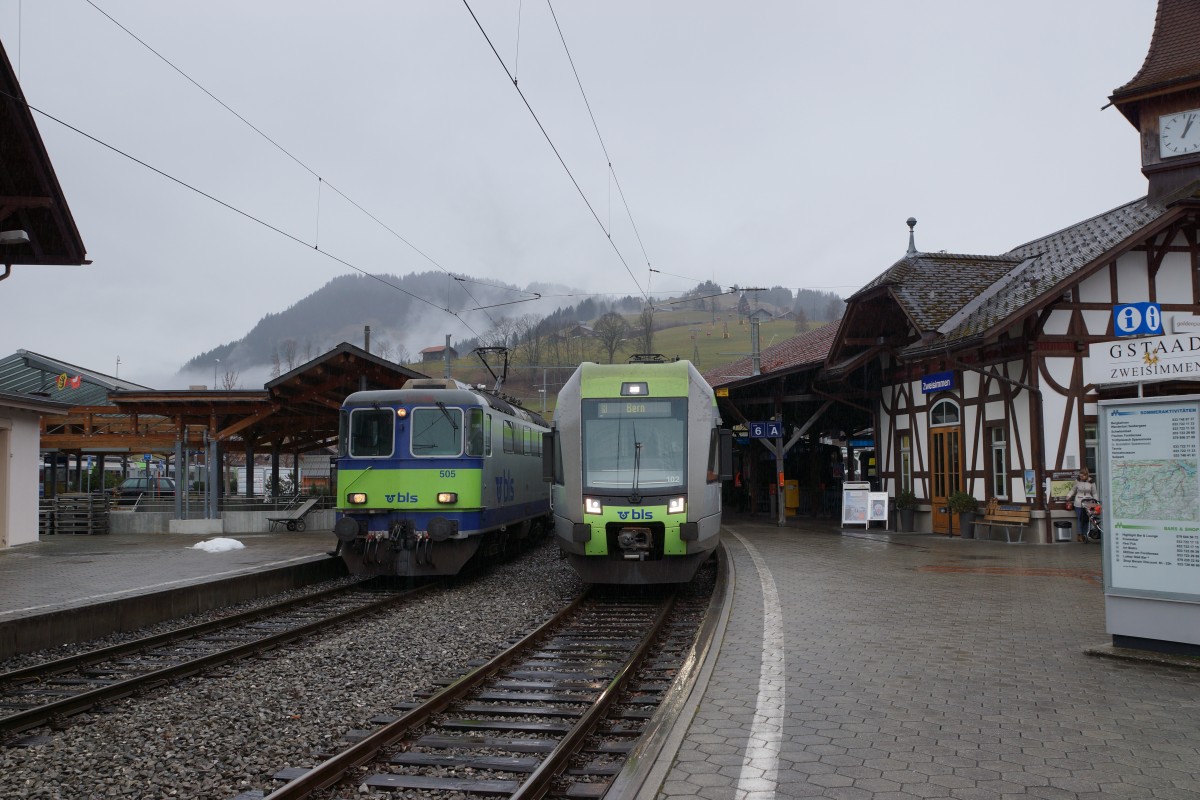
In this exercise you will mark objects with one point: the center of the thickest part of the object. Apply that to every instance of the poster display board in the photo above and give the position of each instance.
(855, 502)
(877, 507)
(1151, 495)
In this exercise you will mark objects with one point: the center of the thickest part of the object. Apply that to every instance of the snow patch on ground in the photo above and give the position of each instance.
(218, 545)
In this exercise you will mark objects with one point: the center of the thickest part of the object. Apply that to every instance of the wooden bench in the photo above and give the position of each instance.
(294, 519)
(997, 515)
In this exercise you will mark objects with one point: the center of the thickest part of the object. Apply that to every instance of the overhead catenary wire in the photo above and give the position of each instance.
(557, 154)
(235, 209)
(320, 179)
(608, 159)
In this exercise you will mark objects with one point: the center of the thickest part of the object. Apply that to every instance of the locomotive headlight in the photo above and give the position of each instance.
(591, 505)
(677, 505)
(446, 498)
(357, 498)
(401, 412)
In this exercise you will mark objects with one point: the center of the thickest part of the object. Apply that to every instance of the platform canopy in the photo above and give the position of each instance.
(296, 412)
(34, 215)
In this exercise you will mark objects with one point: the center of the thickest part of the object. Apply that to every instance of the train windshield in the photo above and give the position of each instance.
(370, 433)
(437, 431)
(635, 445)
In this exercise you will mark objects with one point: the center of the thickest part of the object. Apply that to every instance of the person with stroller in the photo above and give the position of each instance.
(1082, 497)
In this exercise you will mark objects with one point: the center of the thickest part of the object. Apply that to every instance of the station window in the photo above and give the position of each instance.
(944, 412)
(1090, 446)
(998, 463)
(904, 460)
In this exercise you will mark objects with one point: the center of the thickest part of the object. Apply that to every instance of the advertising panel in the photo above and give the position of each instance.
(1151, 493)
(855, 499)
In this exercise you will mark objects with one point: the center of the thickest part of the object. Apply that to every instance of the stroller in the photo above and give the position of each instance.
(1095, 519)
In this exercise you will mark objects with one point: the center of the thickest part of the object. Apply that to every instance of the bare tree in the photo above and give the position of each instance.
(289, 353)
(230, 379)
(500, 334)
(308, 349)
(275, 362)
(402, 354)
(611, 330)
(529, 332)
(801, 320)
(384, 348)
(645, 329)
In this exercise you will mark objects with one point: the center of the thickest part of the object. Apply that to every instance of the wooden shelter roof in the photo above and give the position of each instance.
(297, 411)
(30, 196)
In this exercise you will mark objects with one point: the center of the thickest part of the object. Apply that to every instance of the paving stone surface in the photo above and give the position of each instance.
(64, 571)
(915, 666)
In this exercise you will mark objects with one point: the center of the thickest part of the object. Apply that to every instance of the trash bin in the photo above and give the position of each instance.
(1063, 530)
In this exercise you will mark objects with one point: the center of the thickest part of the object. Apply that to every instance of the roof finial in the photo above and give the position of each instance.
(912, 243)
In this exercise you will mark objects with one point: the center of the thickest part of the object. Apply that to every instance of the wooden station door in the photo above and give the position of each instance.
(945, 474)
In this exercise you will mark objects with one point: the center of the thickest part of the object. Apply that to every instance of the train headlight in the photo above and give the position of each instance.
(357, 498)
(401, 412)
(446, 498)
(677, 505)
(591, 505)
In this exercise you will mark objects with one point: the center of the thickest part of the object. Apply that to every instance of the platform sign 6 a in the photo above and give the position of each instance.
(766, 430)
(1137, 319)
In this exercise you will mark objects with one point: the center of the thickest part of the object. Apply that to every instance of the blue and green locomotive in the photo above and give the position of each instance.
(434, 474)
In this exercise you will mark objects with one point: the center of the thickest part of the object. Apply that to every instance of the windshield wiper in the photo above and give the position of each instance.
(636, 497)
(449, 417)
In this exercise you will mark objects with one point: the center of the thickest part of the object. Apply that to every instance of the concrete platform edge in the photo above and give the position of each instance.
(649, 763)
(1143, 656)
(83, 623)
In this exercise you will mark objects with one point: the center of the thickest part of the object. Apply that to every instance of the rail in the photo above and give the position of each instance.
(515, 665)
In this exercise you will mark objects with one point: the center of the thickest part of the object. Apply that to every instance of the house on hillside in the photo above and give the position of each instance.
(575, 330)
(437, 353)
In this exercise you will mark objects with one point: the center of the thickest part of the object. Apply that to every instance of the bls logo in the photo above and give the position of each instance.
(506, 490)
(636, 514)
(401, 498)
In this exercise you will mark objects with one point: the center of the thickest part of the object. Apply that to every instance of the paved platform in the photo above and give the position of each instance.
(874, 666)
(72, 588)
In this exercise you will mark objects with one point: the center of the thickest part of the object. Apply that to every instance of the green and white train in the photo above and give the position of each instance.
(635, 459)
(434, 474)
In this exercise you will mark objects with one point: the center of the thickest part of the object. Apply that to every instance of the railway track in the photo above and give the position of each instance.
(556, 714)
(49, 692)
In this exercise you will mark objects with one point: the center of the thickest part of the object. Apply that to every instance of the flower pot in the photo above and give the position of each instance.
(966, 524)
(905, 519)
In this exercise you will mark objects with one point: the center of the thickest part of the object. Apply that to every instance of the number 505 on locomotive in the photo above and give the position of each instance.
(434, 474)
(635, 460)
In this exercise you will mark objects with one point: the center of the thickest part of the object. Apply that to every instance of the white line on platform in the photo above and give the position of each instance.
(760, 766)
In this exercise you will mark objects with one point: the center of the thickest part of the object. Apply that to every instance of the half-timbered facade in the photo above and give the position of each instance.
(980, 360)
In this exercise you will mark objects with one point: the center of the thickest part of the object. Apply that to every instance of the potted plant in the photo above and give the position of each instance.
(906, 509)
(965, 505)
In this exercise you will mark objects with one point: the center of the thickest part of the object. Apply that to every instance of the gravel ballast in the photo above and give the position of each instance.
(231, 730)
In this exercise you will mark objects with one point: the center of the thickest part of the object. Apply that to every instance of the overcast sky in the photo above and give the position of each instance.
(757, 143)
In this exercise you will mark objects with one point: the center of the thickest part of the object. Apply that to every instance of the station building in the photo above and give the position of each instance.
(971, 372)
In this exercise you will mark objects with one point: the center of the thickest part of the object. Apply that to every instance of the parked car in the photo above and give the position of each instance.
(130, 489)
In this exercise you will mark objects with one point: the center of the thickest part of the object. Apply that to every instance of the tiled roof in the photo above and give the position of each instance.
(1174, 55)
(807, 349)
(931, 287)
(1038, 268)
